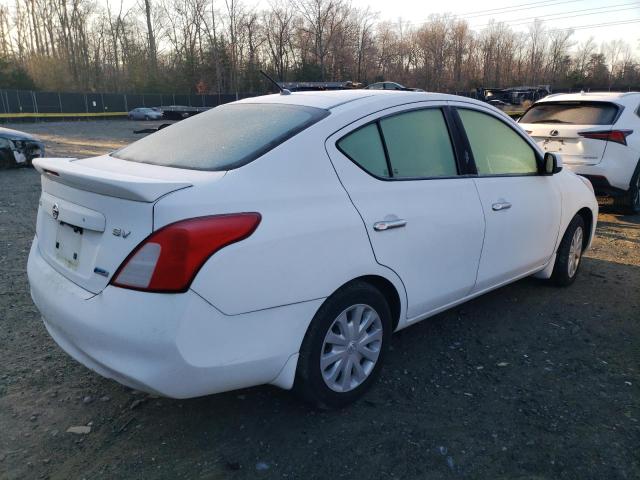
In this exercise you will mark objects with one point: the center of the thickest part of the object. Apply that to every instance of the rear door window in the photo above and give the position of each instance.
(364, 148)
(223, 138)
(572, 113)
(419, 145)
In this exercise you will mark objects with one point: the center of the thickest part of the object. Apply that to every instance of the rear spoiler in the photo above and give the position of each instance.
(114, 184)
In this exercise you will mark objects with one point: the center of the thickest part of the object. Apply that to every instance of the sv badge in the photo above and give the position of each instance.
(120, 232)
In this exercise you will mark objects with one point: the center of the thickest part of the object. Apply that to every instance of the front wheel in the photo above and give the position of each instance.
(569, 255)
(344, 347)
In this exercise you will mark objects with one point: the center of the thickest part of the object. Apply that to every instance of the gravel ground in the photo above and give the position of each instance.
(84, 138)
(527, 382)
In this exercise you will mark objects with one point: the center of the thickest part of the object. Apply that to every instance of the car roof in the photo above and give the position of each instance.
(337, 98)
(617, 97)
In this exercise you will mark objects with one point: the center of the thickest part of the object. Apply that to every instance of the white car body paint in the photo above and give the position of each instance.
(244, 316)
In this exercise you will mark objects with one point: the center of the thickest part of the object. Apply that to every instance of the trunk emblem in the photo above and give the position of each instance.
(55, 211)
(554, 133)
(120, 232)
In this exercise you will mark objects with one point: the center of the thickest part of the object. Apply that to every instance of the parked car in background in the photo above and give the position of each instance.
(598, 135)
(391, 86)
(144, 113)
(283, 239)
(498, 103)
(18, 148)
(180, 112)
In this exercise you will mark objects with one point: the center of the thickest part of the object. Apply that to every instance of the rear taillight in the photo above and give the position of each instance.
(169, 259)
(618, 136)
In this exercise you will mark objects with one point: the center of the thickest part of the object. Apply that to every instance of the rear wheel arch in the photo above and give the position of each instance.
(587, 217)
(386, 288)
(318, 367)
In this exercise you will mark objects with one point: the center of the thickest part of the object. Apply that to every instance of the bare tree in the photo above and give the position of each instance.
(216, 46)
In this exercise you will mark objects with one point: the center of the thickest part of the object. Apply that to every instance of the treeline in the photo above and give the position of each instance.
(213, 46)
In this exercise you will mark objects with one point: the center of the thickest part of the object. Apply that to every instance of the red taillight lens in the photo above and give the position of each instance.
(168, 260)
(618, 136)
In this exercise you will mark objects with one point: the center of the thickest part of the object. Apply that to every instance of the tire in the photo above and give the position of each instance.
(569, 255)
(630, 201)
(146, 117)
(333, 387)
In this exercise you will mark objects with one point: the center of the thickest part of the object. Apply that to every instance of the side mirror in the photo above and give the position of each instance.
(552, 164)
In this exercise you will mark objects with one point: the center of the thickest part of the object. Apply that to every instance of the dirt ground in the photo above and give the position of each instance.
(84, 138)
(529, 382)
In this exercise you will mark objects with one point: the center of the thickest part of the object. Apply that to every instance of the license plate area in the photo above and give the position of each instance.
(553, 144)
(68, 244)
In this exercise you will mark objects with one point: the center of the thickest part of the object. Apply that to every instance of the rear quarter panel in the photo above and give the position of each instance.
(310, 241)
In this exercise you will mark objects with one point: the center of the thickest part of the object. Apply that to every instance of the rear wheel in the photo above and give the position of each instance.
(569, 255)
(343, 350)
(630, 201)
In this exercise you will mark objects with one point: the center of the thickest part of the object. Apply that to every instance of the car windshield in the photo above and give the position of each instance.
(223, 138)
(572, 113)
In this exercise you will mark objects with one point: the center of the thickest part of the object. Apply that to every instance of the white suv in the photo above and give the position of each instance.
(594, 132)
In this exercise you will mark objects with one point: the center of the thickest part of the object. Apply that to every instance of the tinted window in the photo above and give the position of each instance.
(419, 145)
(572, 113)
(364, 147)
(224, 137)
(497, 148)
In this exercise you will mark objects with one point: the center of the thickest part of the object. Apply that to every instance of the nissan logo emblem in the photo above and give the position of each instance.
(554, 133)
(55, 211)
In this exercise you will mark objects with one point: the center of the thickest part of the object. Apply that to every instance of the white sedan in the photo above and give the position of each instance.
(282, 239)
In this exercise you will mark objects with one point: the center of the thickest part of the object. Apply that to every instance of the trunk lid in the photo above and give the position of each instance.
(93, 212)
(555, 126)
(564, 139)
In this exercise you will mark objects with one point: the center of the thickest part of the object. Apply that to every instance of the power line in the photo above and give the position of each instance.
(488, 11)
(511, 24)
(555, 3)
(596, 25)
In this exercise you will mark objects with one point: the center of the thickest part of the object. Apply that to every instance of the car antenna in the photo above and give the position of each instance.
(283, 91)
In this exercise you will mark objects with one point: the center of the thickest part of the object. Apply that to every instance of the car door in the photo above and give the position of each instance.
(522, 207)
(423, 218)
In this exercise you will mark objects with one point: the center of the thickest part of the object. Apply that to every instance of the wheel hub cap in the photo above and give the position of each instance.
(351, 348)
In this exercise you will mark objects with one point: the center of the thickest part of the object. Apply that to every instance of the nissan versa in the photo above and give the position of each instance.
(282, 239)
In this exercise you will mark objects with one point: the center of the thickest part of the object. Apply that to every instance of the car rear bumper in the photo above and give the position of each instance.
(602, 187)
(605, 181)
(176, 345)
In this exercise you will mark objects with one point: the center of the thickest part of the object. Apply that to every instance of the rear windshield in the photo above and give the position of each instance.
(223, 138)
(572, 113)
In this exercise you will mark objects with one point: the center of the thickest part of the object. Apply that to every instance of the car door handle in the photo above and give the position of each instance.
(501, 206)
(388, 225)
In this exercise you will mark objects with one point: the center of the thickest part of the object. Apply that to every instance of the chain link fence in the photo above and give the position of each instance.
(28, 103)
(15, 104)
